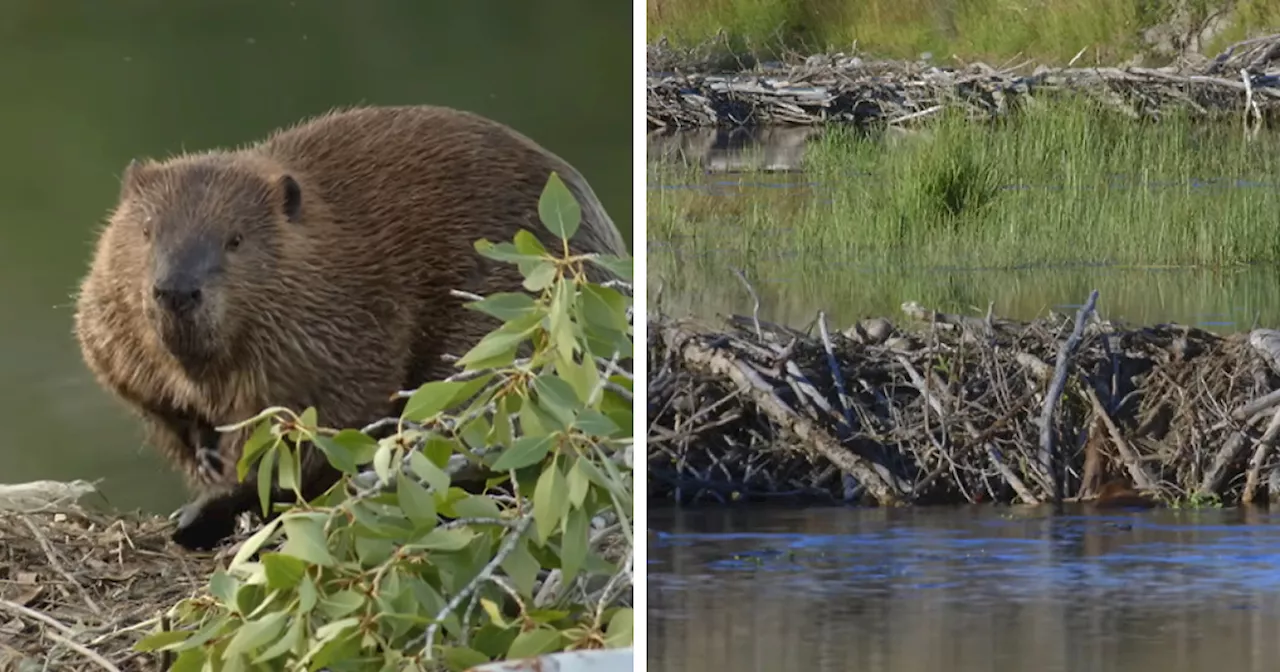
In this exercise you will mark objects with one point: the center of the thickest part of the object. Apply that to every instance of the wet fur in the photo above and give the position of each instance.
(344, 302)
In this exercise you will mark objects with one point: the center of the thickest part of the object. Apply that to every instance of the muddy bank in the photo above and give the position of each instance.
(929, 408)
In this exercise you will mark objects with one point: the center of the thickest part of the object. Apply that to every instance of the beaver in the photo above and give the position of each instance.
(1117, 494)
(311, 269)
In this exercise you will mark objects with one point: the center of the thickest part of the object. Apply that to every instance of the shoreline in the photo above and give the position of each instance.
(946, 409)
(683, 91)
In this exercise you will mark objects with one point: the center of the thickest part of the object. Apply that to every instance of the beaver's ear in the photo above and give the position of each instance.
(291, 195)
(136, 175)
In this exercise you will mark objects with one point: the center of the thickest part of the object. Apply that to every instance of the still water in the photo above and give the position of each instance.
(764, 168)
(964, 590)
(90, 85)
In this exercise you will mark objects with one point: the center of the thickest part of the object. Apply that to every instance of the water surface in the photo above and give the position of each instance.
(963, 589)
(90, 85)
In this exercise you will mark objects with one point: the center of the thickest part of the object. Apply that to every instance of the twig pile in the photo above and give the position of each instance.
(949, 411)
(78, 588)
(1243, 80)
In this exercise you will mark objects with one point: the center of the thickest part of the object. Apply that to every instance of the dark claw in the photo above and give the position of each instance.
(203, 524)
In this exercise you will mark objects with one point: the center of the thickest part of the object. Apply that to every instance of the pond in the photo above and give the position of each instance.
(90, 87)
(1167, 229)
(963, 589)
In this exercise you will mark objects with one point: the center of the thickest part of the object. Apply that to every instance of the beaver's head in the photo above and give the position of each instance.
(211, 229)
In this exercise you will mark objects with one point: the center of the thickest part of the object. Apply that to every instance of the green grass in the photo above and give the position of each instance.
(1065, 184)
(1050, 31)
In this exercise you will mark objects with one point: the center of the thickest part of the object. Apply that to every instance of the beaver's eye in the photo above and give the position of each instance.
(234, 241)
(146, 233)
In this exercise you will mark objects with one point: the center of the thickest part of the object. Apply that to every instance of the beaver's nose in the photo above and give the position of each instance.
(178, 297)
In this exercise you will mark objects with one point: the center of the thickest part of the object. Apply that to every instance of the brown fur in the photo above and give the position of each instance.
(352, 228)
(1118, 494)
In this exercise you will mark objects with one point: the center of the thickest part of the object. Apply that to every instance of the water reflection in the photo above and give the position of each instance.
(978, 588)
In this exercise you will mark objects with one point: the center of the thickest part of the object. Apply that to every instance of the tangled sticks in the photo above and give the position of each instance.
(949, 411)
(683, 92)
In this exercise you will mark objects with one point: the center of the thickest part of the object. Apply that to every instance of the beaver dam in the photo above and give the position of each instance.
(81, 584)
(685, 89)
(942, 408)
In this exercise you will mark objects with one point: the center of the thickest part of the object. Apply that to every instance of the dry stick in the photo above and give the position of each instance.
(750, 383)
(1215, 475)
(1259, 456)
(82, 650)
(1049, 461)
(1127, 454)
(835, 370)
(992, 453)
(57, 566)
(16, 608)
(486, 573)
(1256, 406)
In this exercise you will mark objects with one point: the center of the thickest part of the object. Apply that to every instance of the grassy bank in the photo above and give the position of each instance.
(1068, 184)
(1049, 31)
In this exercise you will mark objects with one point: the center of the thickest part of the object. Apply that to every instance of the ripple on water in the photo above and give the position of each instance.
(1075, 559)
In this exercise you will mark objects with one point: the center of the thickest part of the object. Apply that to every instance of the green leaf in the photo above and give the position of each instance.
(573, 544)
(581, 376)
(560, 323)
(430, 399)
(438, 450)
(528, 244)
(530, 424)
(341, 603)
(618, 633)
(558, 209)
(337, 453)
(253, 634)
(579, 484)
(461, 658)
(382, 460)
(287, 473)
(494, 350)
(521, 566)
(603, 307)
(159, 640)
(619, 266)
(550, 499)
(527, 450)
(477, 506)
(505, 305)
(417, 503)
(265, 466)
(224, 586)
(255, 542)
(500, 430)
(211, 629)
(445, 540)
(261, 439)
(540, 276)
(283, 645)
(595, 423)
(557, 397)
(191, 660)
(503, 252)
(283, 571)
(332, 630)
(306, 539)
(307, 420)
(534, 643)
(427, 470)
(307, 595)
